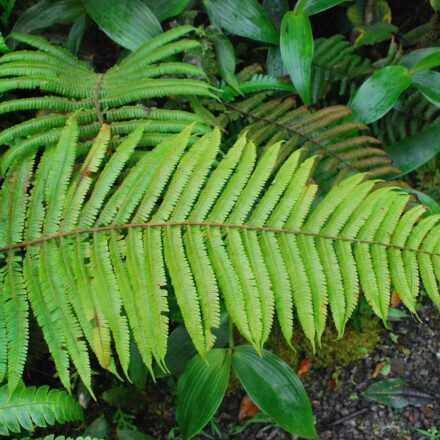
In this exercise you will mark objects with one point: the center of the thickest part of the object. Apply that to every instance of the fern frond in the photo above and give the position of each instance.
(94, 260)
(71, 84)
(343, 146)
(27, 408)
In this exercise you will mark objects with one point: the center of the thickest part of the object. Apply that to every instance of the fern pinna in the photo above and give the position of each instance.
(30, 407)
(123, 96)
(91, 258)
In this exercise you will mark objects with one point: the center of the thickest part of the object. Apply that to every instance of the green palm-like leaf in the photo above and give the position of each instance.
(93, 259)
(27, 408)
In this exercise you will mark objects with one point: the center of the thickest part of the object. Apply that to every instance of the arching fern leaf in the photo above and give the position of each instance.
(92, 258)
(151, 72)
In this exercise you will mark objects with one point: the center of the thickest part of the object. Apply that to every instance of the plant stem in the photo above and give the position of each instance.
(231, 334)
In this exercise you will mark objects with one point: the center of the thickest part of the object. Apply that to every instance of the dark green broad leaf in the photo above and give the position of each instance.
(413, 58)
(201, 389)
(311, 7)
(397, 394)
(225, 56)
(297, 49)
(128, 398)
(425, 199)
(246, 18)
(98, 428)
(128, 23)
(276, 10)
(129, 434)
(181, 350)
(46, 13)
(274, 63)
(428, 83)
(429, 62)
(76, 33)
(275, 389)
(379, 93)
(137, 370)
(414, 151)
(164, 9)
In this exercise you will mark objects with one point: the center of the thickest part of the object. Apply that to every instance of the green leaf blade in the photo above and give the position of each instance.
(246, 18)
(297, 49)
(129, 24)
(276, 389)
(378, 95)
(200, 390)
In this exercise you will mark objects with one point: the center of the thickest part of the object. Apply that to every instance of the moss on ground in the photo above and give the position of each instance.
(354, 345)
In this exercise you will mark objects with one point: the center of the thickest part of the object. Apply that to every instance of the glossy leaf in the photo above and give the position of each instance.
(275, 388)
(200, 390)
(411, 59)
(397, 394)
(129, 24)
(429, 62)
(435, 4)
(379, 93)
(414, 151)
(164, 9)
(311, 7)
(246, 18)
(46, 13)
(297, 48)
(428, 83)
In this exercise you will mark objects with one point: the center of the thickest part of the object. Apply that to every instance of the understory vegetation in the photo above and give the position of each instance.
(203, 197)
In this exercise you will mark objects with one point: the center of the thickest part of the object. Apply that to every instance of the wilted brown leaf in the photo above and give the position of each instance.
(248, 409)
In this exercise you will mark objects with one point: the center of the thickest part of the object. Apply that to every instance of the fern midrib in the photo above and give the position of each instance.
(32, 404)
(113, 227)
(96, 96)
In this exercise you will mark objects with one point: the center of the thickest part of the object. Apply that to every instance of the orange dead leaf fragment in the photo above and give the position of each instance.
(395, 299)
(304, 367)
(248, 409)
(377, 370)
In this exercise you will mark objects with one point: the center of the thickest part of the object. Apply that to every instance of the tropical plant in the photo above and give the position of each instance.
(262, 375)
(113, 96)
(80, 251)
(176, 193)
(30, 407)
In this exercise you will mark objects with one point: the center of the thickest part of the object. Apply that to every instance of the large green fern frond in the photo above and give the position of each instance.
(93, 259)
(68, 84)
